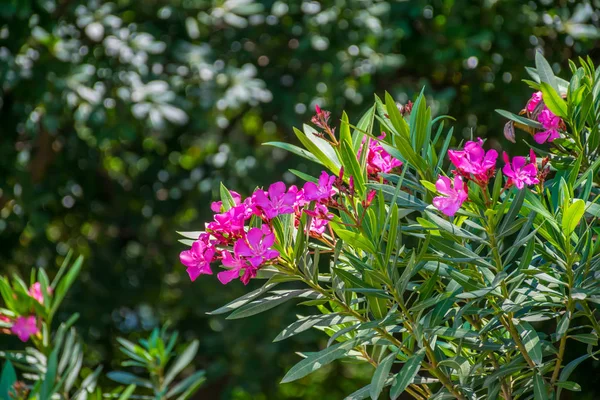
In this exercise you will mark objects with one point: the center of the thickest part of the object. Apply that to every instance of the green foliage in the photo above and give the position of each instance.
(56, 365)
(483, 304)
(120, 119)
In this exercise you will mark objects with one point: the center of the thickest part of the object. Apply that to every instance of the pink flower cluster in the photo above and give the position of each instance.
(26, 326)
(475, 164)
(253, 247)
(519, 172)
(547, 118)
(472, 163)
(379, 160)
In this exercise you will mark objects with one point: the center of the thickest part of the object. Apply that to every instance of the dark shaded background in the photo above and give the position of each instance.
(118, 121)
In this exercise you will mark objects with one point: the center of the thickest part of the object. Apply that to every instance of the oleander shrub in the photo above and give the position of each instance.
(55, 364)
(455, 273)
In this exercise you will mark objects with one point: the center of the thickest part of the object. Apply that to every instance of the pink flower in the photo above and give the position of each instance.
(35, 291)
(453, 195)
(534, 101)
(551, 123)
(473, 159)
(25, 327)
(256, 246)
(546, 136)
(519, 173)
(276, 201)
(215, 206)
(198, 258)
(379, 160)
(231, 222)
(236, 265)
(548, 119)
(320, 219)
(321, 191)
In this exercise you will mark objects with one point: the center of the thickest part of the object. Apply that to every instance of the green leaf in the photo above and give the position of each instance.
(294, 149)
(553, 101)
(266, 303)
(50, 377)
(65, 284)
(396, 118)
(563, 325)
(7, 380)
(572, 386)
(352, 168)
(521, 120)
(381, 375)
(240, 301)
(181, 362)
(306, 323)
(365, 125)
(545, 72)
(354, 239)
(314, 361)
(420, 118)
(407, 374)
(190, 381)
(320, 148)
(572, 215)
(587, 338)
(127, 392)
(127, 378)
(531, 341)
(345, 136)
(226, 198)
(540, 392)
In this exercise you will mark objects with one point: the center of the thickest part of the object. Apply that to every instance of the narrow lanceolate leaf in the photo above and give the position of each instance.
(128, 378)
(127, 392)
(269, 302)
(407, 374)
(50, 377)
(190, 381)
(520, 120)
(306, 323)
(545, 72)
(540, 391)
(316, 360)
(381, 375)
(572, 215)
(181, 362)
(65, 284)
(240, 301)
(553, 101)
(531, 341)
(7, 380)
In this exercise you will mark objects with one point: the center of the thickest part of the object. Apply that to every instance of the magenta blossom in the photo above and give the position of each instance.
(231, 222)
(546, 136)
(320, 219)
(256, 246)
(276, 201)
(551, 123)
(215, 206)
(454, 195)
(379, 160)
(474, 160)
(25, 327)
(236, 265)
(35, 291)
(321, 191)
(198, 258)
(519, 173)
(534, 101)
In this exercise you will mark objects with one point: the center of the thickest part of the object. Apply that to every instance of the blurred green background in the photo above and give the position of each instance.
(119, 120)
